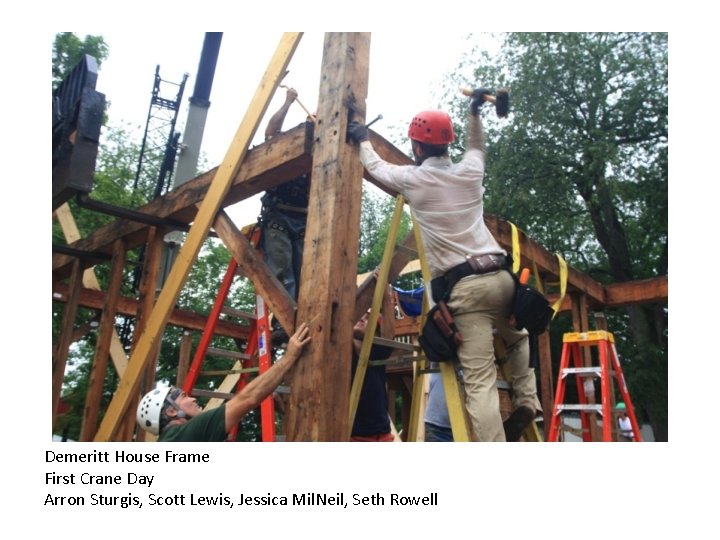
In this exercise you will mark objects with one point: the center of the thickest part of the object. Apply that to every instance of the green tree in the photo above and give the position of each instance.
(375, 221)
(68, 50)
(581, 166)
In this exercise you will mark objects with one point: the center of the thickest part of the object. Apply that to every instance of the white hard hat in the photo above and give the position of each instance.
(150, 409)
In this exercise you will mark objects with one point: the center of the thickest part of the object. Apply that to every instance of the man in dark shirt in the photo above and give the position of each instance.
(372, 422)
(282, 220)
(174, 416)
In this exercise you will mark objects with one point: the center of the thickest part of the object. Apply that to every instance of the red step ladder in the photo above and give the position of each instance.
(609, 366)
(257, 348)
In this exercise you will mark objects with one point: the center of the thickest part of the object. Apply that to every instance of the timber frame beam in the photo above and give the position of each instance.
(290, 154)
(95, 300)
(599, 296)
(320, 381)
(265, 166)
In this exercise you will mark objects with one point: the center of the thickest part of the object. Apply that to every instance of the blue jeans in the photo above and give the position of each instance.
(283, 235)
(435, 433)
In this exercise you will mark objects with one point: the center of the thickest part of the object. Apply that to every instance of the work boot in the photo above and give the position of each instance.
(517, 422)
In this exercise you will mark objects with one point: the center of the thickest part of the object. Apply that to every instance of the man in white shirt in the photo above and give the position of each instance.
(467, 264)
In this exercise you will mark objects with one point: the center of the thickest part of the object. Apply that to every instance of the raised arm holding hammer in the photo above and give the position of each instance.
(467, 265)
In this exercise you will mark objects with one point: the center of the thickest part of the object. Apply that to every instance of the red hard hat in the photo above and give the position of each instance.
(432, 127)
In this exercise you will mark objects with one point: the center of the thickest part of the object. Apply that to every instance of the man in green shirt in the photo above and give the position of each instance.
(174, 416)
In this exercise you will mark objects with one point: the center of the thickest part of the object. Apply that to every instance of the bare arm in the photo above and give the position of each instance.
(249, 398)
(274, 126)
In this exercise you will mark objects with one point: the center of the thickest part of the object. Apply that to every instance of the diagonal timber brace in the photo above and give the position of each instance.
(219, 187)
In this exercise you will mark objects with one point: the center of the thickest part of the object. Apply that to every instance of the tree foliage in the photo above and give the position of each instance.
(375, 221)
(581, 166)
(584, 153)
(68, 50)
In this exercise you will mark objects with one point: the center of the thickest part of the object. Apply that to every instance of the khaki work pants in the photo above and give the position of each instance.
(480, 303)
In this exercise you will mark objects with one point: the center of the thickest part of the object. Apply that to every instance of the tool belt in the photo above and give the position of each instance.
(477, 264)
(440, 337)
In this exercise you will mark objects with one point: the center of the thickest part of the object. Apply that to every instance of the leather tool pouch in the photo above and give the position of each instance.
(440, 337)
(483, 264)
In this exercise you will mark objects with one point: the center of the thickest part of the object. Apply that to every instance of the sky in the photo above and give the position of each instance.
(402, 76)
(405, 77)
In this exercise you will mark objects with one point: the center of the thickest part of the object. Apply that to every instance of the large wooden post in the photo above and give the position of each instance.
(547, 394)
(320, 383)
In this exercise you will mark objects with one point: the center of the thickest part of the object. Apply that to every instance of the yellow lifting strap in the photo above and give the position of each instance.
(562, 271)
(562, 268)
(563, 274)
(538, 281)
(515, 248)
(378, 294)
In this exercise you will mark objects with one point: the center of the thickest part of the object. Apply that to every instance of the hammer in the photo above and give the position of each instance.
(501, 100)
(304, 108)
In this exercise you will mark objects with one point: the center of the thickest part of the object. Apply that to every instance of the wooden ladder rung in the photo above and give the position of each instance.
(212, 351)
(197, 392)
(232, 312)
(395, 361)
(215, 373)
(396, 344)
